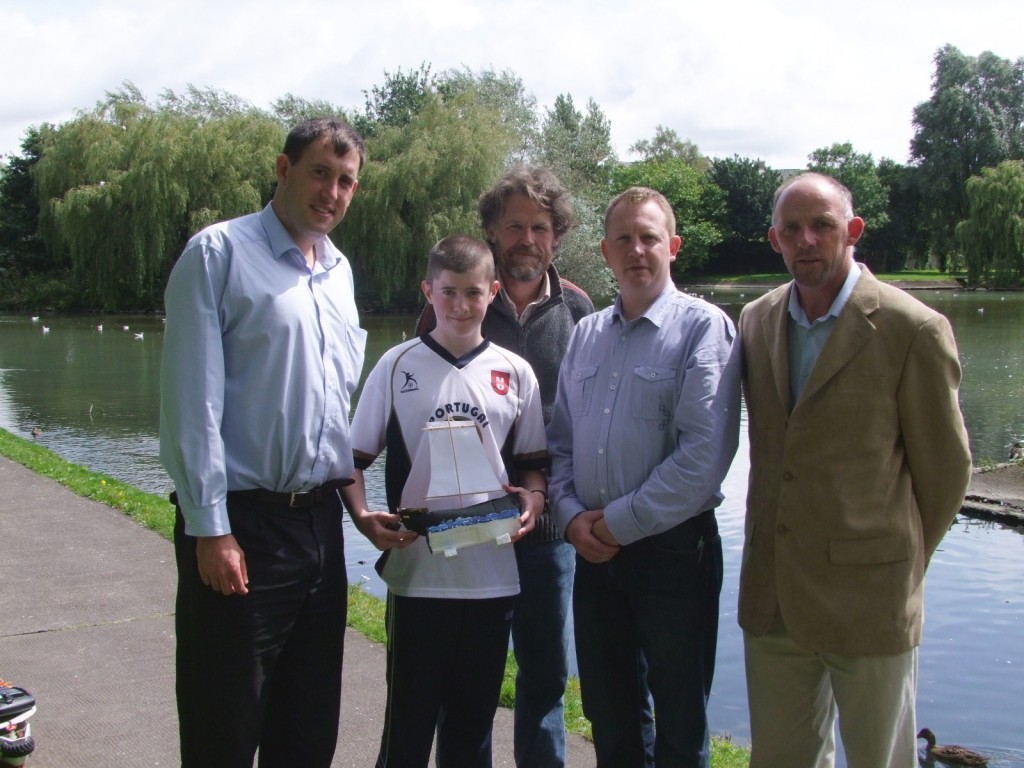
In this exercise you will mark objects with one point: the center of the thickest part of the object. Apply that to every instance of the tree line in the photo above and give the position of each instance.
(94, 212)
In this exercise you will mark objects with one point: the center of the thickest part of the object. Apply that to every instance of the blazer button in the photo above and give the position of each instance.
(787, 476)
(782, 529)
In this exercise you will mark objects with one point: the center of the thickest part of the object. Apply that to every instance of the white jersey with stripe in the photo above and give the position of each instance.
(418, 382)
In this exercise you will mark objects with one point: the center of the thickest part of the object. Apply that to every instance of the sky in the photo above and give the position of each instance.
(764, 80)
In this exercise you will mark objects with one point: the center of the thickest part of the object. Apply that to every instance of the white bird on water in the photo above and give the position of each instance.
(125, 327)
(138, 335)
(100, 327)
(35, 318)
(45, 329)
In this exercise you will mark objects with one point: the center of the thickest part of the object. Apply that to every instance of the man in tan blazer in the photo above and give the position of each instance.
(858, 464)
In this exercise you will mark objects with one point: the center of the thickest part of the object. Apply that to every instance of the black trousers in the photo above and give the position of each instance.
(263, 670)
(445, 664)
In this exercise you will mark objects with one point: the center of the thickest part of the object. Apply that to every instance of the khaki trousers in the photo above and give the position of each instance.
(794, 696)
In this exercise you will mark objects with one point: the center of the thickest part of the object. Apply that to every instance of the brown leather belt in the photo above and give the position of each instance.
(294, 499)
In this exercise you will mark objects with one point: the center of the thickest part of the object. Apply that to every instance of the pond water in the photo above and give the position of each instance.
(94, 394)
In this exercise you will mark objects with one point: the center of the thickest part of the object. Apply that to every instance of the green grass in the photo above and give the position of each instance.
(153, 512)
(365, 612)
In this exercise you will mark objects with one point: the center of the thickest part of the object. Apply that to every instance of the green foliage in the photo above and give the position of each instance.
(579, 257)
(122, 188)
(973, 120)
(667, 145)
(749, 186)
(903, 240)
(396, 101)
(21, 248)
(993, 237)
(578, 147)
(291, 110)
(37, 290)
(698, 203)
(503, 92)
(422, 184)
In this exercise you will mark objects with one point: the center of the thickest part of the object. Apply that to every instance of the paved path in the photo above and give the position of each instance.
(86, 624)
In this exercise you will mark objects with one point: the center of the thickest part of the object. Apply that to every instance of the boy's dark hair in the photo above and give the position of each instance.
(538, 184)
(459, 253)
(341, 134)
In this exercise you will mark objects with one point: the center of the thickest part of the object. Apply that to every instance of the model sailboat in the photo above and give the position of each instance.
(459, 468)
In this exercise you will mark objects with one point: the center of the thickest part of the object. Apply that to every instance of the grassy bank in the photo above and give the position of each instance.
(366, 612)
(907, 278)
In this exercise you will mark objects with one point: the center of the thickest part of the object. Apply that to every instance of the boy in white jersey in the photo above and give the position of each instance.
(448, 619)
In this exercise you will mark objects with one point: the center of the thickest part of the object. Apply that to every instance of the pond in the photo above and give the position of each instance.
(94, 394)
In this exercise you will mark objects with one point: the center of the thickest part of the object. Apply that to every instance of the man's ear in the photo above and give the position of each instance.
(855, 228)
(281, 167)
(427, 291)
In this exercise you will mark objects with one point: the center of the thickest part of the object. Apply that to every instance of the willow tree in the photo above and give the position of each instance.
(993, 236)
(973, 120)
(501, 91)
(122, 187)
(421, 183)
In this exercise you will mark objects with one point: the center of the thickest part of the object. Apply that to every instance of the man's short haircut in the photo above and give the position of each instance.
(460, 254)
(845, 195)
(638, 196)
(341, 134)
(537, 183)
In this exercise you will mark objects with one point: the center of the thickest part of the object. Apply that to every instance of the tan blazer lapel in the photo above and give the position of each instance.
(774, 327)
(852, 331)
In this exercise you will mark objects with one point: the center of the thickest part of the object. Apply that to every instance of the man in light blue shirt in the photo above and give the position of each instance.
(644, 428)
(261, 355)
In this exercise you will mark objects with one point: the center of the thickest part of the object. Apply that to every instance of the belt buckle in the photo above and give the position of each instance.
(291, 499)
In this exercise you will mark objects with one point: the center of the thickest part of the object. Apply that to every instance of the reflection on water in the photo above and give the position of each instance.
(95, 397)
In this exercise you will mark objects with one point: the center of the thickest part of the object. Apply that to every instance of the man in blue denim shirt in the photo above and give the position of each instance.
(645, 426)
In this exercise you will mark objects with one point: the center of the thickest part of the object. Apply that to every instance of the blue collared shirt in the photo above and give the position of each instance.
(261, 356)
(646, 418)
(807, 339)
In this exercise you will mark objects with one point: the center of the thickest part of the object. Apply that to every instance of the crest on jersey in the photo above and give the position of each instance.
(499, 382)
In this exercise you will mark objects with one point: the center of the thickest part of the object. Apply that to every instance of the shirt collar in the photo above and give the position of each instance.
(544, 295)
(655, 313)
(281, 243)
(797, 312)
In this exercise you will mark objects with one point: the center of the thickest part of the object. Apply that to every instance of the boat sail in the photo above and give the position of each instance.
(458, 469)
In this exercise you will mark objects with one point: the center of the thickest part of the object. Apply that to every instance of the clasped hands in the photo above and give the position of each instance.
(589, 535)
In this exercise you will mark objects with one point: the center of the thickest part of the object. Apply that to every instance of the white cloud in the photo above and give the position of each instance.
(774, 80)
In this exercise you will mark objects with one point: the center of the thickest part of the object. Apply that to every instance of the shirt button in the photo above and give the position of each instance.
(787, 476)
(607, 410)
(600, 451)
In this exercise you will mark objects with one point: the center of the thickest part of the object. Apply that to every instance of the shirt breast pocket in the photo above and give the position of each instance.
(654, 393)
(581, 380)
